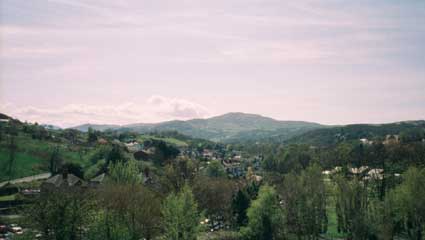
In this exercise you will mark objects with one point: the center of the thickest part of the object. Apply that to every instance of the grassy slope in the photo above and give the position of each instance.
(173, 141)
(32, 156)
(25, 165)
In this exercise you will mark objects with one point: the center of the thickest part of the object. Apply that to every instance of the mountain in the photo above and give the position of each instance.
(230, 127)
(333, 135)
(99, 127)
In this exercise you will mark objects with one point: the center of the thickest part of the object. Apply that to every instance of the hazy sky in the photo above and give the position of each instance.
(67, 62)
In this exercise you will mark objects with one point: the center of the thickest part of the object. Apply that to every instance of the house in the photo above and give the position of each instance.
(207, 154)
(97, 180)
(258, 178)
(366, 141)
(359, 170)
(102, 141)
(376, 173)
(235, 170)
(61, 181)
(391, 139)
(133, 146)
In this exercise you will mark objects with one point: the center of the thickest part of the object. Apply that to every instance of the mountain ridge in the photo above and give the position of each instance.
(233, 126)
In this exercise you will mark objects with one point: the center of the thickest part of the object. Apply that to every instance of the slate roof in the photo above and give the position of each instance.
(60, 180)
(98, 179)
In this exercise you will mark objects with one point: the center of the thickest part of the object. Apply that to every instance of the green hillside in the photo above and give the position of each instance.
(35, 145)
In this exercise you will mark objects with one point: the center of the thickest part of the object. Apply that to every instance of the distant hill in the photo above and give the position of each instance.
(334, 135)
(99, 127)
(230, 127)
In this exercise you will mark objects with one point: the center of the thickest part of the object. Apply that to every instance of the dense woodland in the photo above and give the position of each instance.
(370, 185)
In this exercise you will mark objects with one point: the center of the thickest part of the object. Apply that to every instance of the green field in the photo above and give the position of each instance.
(169, 140)
(32, 157)
(25, 165)
(8, 198)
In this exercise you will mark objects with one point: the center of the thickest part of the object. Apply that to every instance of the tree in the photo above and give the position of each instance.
(241, 202)
(127, 211)
(73, 168)
(304, 202)
(265, 217)
(55, 161)
(291, 158)
(214, 195)
(12, 152)
(215, 169)
(62, 214)
(71, 135)
(240, 205)
(1, 132)
(181, 217)
(125, 173)
(409, 198)
(116, 154)
(352, 208)
(92, 135)
(178, 173)
(12, 132)
(163, 152)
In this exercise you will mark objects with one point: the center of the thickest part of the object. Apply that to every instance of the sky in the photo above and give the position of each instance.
(68, 62)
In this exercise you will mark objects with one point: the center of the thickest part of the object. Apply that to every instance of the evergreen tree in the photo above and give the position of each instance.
(240, 206)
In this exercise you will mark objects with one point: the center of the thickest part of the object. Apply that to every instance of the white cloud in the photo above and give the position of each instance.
(156, 108)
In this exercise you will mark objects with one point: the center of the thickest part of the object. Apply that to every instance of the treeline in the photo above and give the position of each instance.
(408, 131)
(188, 202)
(391, 157)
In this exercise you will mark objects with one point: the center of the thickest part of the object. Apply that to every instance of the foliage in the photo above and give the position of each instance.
(290, 158)
(92, 135)
(215, 169)
(73, 168)
(240, 206)
(352, 208)
(163, 152)
(126, 211)
(215, 195)
(181, 217)
(178, 173)
(264, 217)
(409, 201)
(116, 154)
(334, 135)
(304, 203)
(125, 173)
(62, 214)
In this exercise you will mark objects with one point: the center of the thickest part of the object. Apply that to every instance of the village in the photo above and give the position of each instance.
(143, 180)
(17, 193)
(237, 165)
